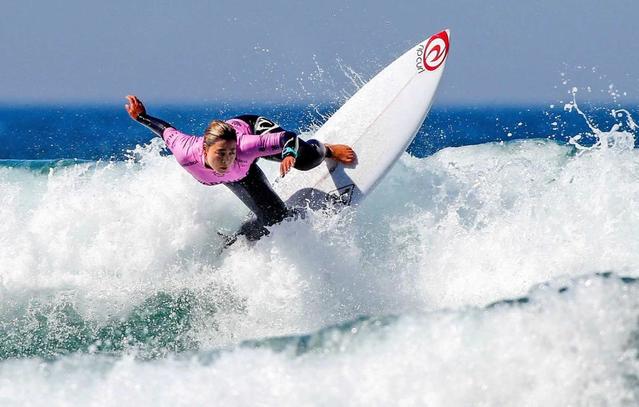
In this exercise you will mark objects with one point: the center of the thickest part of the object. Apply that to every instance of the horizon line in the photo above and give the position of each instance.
(300, 103)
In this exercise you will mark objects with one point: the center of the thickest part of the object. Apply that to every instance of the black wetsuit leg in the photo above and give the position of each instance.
(310, 154)
(255, 190)
(256, 193)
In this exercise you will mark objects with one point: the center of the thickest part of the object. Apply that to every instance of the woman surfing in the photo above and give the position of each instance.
(228, 152)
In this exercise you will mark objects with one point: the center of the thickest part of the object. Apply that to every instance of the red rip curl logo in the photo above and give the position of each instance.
(433, 54)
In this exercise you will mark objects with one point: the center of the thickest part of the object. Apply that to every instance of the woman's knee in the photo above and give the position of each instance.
(311, 153)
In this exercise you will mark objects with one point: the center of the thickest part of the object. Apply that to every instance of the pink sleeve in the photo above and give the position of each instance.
(261, 146)
(180, 144)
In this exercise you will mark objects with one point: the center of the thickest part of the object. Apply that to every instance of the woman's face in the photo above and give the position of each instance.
(221, 155)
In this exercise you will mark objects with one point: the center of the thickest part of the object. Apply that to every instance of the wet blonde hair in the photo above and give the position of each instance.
(219, 130)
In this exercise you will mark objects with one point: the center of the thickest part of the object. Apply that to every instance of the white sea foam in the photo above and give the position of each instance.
(578, 347)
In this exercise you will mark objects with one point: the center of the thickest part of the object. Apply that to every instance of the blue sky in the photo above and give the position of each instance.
(292, 51)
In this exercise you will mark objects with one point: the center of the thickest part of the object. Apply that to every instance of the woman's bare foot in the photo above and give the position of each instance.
(341, 153)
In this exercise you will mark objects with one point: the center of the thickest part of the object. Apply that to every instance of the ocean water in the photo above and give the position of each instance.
(496, 264)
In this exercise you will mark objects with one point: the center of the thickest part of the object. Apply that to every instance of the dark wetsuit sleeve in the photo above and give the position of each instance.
(154, 124)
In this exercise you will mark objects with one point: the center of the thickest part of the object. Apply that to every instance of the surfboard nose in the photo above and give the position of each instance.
(446, 31)
(433, 52)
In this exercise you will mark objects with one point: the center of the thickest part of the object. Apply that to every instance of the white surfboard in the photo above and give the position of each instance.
(379, 122)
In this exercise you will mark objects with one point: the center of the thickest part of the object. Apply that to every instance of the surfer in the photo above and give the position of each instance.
(228, 152)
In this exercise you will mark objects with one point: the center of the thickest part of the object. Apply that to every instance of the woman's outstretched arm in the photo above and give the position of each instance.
(137, 111)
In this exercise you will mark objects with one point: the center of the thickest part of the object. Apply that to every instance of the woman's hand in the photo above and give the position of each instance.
(286, 165)
(134, 108)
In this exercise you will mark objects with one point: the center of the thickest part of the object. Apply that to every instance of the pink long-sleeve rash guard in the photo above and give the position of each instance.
(189, 152)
